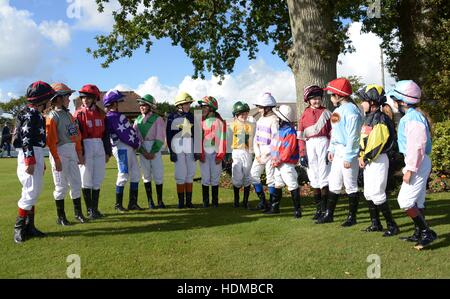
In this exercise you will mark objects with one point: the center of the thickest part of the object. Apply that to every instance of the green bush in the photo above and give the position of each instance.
(440, 154)
(438, 183)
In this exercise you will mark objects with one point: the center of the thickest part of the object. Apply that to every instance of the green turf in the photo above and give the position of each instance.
(211, 243)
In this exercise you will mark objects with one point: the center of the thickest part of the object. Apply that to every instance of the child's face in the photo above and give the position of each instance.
(335, 100)
(87, 101)
(315, 102)
(66, 101)
(186, 107)
(260, 110)
(205, 110)
(366, 106)
(243, 116)
(144, 108)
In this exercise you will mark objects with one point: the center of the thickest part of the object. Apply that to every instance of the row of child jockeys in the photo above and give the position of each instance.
(332, 146)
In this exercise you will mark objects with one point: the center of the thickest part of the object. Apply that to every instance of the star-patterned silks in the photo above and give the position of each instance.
(119, 127)
(186, 127)
(30, 132)
(25, 129)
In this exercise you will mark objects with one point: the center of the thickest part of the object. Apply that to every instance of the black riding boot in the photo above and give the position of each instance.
(132, 204)
(426, 234)
(262, 205)
(31, 230)
(246, 196)
(392, 228)
(159, 196)
(62, 220)
(317, 202)
(296, 201)
(119, 203)
(353, 201)
(205, 194)
(215, 196)
(78, 210)
(324, 199)
(331, 206)
(181, 200)
(95, 198)
(236, 196)
(276, 199)
(189, 200)
(148, 190)
(20, 229)
(87, 194)
(374, 218)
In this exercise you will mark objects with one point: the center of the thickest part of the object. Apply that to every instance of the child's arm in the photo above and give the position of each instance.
(416, 140)
(160, 136)
(353, 130)
(52, 137)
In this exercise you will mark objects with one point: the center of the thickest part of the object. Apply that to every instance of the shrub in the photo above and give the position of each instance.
(440, 154)
(439, 183)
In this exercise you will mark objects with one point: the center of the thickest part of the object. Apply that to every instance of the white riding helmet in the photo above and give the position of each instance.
(285, 112)
(266, 100)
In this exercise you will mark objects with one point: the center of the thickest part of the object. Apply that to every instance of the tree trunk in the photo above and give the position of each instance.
(312, 57)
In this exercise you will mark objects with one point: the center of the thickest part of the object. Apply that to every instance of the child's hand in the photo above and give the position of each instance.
(362, 164)
(330, 156)
(30, 169)
(407, 177)
(347, 165)
(58, 165)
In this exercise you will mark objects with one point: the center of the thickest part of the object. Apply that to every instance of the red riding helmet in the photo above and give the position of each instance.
(90, 89)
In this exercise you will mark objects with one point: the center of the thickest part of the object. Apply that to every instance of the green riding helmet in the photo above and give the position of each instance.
(240, 107)
(147, 99)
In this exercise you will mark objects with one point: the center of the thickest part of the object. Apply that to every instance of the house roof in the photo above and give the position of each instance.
(129, 106)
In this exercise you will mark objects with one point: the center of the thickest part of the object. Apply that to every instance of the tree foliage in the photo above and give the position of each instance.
(416, 38)
(14, 106)
(213, 33)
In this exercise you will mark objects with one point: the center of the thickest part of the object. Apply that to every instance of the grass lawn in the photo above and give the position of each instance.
(211, 243)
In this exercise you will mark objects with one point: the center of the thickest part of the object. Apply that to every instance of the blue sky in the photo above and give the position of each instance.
(46, 44)
(169, 63)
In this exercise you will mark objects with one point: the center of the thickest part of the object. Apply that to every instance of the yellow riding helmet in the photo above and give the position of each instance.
(183, 98)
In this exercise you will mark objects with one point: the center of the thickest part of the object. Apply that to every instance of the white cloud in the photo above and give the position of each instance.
(246, 86)
(23, 42)
(365, 61)
(6, 96)
(57, 32)
(89, 18)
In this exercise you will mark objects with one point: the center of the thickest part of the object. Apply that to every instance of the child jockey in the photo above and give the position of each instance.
(125, 144)
(285, 156)
(266, 127)
(377, 140)
(343, 151)
(180, 141)
(64, 143)
(414, 142)
(29, 140)
(242, 133)
(96, 147)
(150, 128)
(213, 149)
(314, 129)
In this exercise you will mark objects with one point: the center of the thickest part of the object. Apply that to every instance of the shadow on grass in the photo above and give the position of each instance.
(163, 220)
(150, 221)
